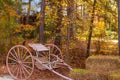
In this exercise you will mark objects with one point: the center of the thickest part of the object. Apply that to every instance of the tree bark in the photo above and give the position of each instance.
(41, 28)
(58, 25)
(70, 31)
(28, 12)
(91, 29)
(70, 14)
(119, 26)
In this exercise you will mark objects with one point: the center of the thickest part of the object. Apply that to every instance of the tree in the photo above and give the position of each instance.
(28, 12)
(9, 25)
(119, 25)
(58, 24)
(91, 28)
(41, 29)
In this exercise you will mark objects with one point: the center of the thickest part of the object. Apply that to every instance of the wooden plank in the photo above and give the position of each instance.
(38, 47)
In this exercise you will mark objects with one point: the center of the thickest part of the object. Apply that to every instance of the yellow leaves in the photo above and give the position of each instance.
(17, 30)
(27, 27)
(99, 27)
(48, 32)
(101, 24)
(65, 23)
(78, 35)
(53, 7)
(47, 7)
(12, 13)
(38, 15)
(10, 9)
(64, 4)
(37, 23)
(27, 34)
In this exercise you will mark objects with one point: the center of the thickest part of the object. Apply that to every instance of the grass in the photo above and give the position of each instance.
(79, 71)
(115, 75)
(78, 74)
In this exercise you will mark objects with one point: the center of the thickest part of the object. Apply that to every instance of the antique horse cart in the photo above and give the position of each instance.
(20, 60)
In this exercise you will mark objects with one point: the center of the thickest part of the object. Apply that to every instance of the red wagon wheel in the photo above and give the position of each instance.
(19, 62)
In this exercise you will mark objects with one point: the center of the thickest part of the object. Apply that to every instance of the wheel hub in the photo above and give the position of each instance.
(19, 62)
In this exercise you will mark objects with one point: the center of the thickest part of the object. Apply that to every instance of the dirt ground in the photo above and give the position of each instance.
(38, 74)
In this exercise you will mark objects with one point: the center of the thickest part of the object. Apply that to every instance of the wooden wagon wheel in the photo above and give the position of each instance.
(54, 50)
(55, 55)
(19, 62)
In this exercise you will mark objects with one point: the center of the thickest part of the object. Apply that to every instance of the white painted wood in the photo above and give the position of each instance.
(38, 47)
(49, 68)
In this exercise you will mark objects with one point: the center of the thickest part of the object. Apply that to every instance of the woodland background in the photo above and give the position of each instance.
(79, 27)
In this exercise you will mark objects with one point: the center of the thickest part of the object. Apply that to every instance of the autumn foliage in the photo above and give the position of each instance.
(67, 24)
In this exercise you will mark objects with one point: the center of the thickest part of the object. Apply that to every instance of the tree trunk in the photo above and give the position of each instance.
(58, 25)
(41, 28)
(70, 14)
(119, 26)
(70, 31)
(28, 12)
(90, 30)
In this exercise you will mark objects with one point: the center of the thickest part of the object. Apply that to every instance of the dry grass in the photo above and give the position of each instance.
(99, 68)
(78, 74)
(114, 76)
(103, 63)
(81, 74)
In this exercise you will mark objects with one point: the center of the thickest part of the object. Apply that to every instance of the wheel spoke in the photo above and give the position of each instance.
(13, 55)
(18, 50)
(24, 54)
(26, 70)
(23, 72)
(12, 59)
(21, 54)
(27, 62)
(51, 49)
(17, 72)
(11, 63)
(20, 72)
(27, 58)
(15, 69)
(55, 52)
(27, 66)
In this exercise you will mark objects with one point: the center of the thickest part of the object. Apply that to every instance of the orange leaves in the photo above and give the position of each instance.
(25, 30)
(17, 30)
(27, 27)
(12, 13)
(48, 32)
(38, 16)
(9, 9)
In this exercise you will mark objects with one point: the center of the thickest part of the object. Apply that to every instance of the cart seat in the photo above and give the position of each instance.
(38, 47)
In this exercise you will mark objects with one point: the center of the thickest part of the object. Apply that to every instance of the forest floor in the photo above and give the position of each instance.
(37, 74)
(46, 74)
